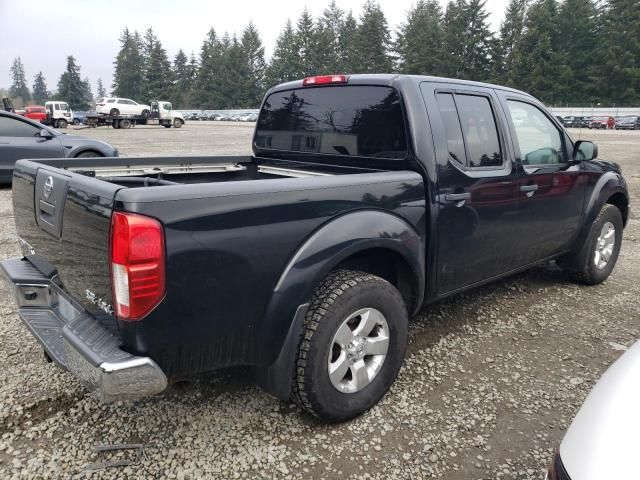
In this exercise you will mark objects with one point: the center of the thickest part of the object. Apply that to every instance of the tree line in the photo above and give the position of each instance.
(569, 52)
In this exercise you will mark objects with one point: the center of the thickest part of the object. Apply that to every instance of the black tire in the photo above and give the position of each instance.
(125, 123)
(145, 113)
(340, 295)
(177, 123)
(88, 154)
(114, 112)
(62, 123)
(582, 265)
(167, 126)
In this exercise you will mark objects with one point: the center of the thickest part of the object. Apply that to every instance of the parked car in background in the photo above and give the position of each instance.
(122, 106)
(573, 122)
(602, 441)
(35, 112)
(560, 119)
(602, 122)
(79, 117)
(21, 137)
(631, 122)
(194, 116)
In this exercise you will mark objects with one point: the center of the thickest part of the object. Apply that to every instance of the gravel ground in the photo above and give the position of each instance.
(491, 381)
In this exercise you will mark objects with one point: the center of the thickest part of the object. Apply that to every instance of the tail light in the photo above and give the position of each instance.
(324, 80)
(137, 264)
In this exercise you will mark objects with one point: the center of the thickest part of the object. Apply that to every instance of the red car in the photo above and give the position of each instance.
(35, 112)
(602, 122)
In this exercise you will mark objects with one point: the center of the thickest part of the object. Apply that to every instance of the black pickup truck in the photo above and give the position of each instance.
(367, 196)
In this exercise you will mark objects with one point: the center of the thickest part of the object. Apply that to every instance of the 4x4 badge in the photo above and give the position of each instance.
(48, 187)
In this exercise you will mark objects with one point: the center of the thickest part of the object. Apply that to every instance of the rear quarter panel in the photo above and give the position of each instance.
(227, 246)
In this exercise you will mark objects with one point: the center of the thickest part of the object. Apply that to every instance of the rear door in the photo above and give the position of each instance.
(20, 139)
(551, 188)
(477, 185)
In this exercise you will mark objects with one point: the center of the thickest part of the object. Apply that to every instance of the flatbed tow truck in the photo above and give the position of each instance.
(162, 113)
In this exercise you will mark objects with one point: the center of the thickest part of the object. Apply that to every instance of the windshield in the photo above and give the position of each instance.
(362, 121)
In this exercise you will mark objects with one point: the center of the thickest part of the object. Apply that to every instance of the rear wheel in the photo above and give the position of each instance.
(352, 346)
(114, 112)
(145, 113)
(595, 261)
(125, 123)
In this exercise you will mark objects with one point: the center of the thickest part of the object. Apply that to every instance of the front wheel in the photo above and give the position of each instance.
(62, 123)
(352, 345)
(177, 123)
(595, 261)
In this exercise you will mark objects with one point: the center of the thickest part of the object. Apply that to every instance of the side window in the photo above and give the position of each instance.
(111, 100)
(470, 126)
(10, 127)
(56, 106)
(539, 140)
(449, 115)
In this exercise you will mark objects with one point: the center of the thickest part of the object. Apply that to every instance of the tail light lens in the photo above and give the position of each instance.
(324, 80)
(137, 264)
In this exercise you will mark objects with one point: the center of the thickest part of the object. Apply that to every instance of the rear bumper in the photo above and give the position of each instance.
(77, 341)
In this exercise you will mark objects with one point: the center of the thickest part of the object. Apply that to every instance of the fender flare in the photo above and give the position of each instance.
(609, 184)
(320, 253)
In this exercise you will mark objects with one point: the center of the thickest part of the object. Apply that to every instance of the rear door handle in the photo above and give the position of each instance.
(529, 189)
(456, 197)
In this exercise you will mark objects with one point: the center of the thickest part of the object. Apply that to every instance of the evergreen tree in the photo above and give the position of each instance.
(306, 45)
(253, 55)
(539, 65)
(233, 68)
(19, 91)
(129, 66)
(578, 41)
(72, 89)
(206, 91)
(181, 87)
(468, 41)
(102, 92)
(347, 56)
(328, 30)
(372, 40)
(510, 33)
(157, 72)
(285, 63)
(40, 92)
(619, 82)
(420, 40)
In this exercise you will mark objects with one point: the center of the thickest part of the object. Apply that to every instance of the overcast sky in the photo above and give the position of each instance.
(44, 32)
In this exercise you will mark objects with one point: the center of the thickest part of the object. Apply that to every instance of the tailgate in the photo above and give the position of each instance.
(63, 221)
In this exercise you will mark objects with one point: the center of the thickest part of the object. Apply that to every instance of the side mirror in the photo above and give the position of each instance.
(585, 150)
(44, 133)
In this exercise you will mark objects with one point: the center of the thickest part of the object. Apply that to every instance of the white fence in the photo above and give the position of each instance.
(595, 111)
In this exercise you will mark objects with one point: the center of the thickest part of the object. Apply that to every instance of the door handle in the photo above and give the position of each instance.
(460, 198)
(529, 189)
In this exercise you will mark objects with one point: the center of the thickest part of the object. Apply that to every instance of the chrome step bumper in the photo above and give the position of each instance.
(75, 340)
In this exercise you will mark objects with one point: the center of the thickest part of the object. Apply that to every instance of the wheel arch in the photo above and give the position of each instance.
(80, 151)
(374, 241)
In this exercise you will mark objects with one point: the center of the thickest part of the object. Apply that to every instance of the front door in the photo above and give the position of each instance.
(477, 185)
(551, 187)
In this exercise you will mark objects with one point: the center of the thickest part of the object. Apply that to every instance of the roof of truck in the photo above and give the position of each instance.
(388, 78)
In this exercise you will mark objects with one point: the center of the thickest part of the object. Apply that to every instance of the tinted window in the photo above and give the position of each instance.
(471, 131)
(539, 140)
(449, 115)
(338, 120)
(111, 100)
(10, 127)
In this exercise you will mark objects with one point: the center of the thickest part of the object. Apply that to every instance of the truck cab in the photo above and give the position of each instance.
(58, 114)
(163, 112)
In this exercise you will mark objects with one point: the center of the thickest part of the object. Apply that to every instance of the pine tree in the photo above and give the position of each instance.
(19, 91)
(420, 40)
(157, 69)
(328, 30)
(619, 81)
(539, 65)
(129, 67)
(72, 89)
(40, 92)
(285, 63)
(233, 68)
(372, 41)
(206, 90)
(579, 39)
(102, 92)
(180, 91)
(347, 56)
(306, 45)
(511, 31)
(253, 55)
(467, 40)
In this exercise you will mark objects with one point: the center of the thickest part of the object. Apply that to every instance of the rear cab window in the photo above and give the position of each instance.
(339, 121)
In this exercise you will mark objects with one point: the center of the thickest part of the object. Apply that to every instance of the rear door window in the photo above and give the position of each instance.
(363, 121)
(470, 126)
